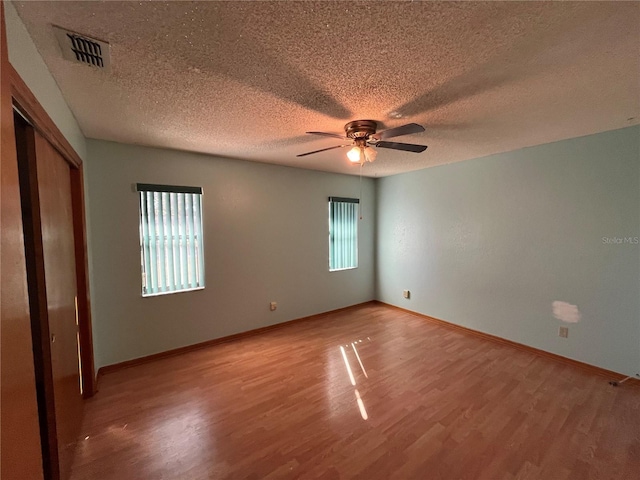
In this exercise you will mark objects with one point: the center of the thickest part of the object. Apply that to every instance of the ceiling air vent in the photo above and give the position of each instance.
(82, 49)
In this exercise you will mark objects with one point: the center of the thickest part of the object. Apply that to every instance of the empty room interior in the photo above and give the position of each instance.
(320, 239)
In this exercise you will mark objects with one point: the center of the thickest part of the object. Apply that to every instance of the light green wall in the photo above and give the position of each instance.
(491, 243)
(266, 239)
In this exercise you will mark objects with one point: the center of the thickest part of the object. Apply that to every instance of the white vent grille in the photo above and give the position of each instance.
(82, 49)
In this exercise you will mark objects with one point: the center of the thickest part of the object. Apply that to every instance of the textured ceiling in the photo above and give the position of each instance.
(246, 79)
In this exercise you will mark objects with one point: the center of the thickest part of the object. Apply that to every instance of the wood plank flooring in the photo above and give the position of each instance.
(428, 402)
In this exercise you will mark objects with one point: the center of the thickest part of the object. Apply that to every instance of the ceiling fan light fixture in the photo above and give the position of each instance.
(370, 154)
(354, 155)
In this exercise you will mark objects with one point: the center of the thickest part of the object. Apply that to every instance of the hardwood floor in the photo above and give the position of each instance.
(428, 402)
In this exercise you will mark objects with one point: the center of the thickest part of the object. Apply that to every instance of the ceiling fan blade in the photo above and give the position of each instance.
(321, 150)
(334, 135)
(407, 129)
(407, 147)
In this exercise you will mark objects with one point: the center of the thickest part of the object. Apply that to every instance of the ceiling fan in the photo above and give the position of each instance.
(362, 136)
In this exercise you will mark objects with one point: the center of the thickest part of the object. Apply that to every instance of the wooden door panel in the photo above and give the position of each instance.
(54, 190)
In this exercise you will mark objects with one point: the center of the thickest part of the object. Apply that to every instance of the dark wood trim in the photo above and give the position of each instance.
(82, 280)
(36, 285)
(29, 106)
(543, 353)
(216, 341)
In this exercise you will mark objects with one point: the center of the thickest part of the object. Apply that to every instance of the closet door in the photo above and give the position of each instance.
(54, 191)
(20, 435)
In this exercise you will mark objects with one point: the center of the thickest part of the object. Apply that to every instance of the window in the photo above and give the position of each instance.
(170, 239)
(343, 233)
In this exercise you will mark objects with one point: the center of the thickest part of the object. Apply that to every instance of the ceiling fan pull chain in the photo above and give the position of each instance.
(360, 196)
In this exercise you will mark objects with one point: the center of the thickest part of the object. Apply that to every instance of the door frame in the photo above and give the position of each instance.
(30, 120)
(27, 105)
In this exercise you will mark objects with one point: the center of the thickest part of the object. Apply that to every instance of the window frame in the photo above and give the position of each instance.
(335, 200)
(193, 234)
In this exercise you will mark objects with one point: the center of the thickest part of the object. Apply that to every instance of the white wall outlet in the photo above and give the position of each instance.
(563, 332)
(273, 306)
(406, 294)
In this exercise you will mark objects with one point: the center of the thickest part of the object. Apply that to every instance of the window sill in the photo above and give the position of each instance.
(171, 293)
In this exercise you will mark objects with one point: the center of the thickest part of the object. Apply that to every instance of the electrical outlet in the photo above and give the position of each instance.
(273, 306)
(563, 332)
(406, 294)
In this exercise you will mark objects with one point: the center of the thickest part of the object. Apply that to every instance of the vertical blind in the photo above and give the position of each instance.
(343, 233)
(170, 238)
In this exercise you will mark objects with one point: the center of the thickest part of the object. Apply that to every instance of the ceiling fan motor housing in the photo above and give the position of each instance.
(360, 129)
